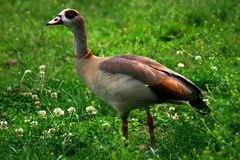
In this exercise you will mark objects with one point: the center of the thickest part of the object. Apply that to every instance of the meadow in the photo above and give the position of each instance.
(46, 112)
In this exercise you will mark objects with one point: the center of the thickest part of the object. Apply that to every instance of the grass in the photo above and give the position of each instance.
(156, 29)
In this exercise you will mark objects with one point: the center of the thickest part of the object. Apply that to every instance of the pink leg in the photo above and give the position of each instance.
(125, 130)
(151, 128)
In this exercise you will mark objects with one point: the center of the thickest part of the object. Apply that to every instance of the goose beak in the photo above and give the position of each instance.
(55, 21)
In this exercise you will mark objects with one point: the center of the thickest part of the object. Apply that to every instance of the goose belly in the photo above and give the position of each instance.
(123, 92)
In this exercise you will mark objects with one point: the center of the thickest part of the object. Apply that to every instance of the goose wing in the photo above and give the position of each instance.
(165, 83)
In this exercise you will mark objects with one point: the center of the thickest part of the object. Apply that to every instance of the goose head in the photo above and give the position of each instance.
(67, 17)
(75, 21)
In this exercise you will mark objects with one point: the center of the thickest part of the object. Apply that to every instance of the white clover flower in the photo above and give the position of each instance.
(214, 68)
(29, 94)
(54, 95)
(42, 67)
(3, 125)
(91, 110)
(34, 123)
(49, 91)
(71, 110)
(28, 71)
(179, 52)
(198, 58)
(58, 112)
(42, 113)
(206, 101)
(106, 125)
(34, 96)
(48, 133)
(53, 130)
(37, 104)
(180, 65)
(171, 109)
(175, 116)
(42, 73)
(67, 137)
(19, 132)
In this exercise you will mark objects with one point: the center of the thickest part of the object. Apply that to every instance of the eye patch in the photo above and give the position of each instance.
(70, 14)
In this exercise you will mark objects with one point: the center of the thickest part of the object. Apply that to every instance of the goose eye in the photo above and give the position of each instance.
(70, 14)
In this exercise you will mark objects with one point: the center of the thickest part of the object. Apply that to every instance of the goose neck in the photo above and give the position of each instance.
(80, 40)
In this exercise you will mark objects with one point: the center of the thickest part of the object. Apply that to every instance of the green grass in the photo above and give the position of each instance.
(156, 29)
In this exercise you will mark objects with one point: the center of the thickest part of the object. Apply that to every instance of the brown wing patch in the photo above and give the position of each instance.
(163, 83)
(172, 89)
(138, 71)
(154, 64)
(145, 60)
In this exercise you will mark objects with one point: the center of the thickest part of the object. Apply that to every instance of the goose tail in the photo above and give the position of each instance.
(200, 106)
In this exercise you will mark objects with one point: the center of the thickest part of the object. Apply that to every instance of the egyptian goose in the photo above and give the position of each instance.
(127, 82)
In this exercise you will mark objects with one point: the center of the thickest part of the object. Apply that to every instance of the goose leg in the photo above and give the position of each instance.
(125, 128)
(151, 128)
(125, 131)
